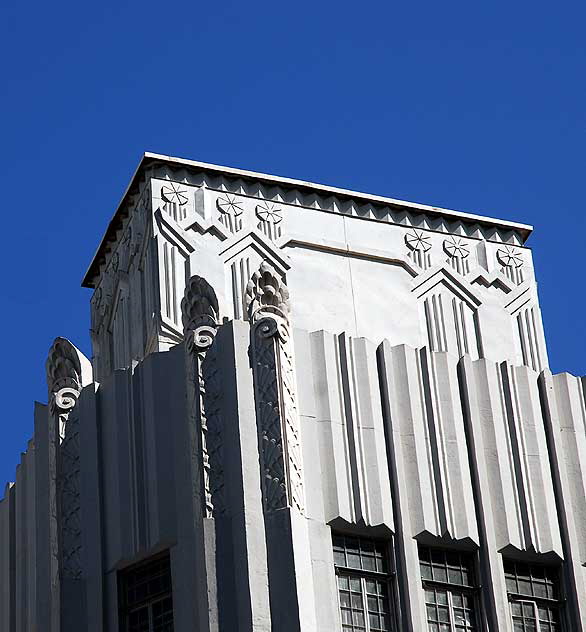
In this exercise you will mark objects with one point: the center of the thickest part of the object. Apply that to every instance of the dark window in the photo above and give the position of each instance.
(534, 596)
(146, 602)
(450, 590)
(364, 581)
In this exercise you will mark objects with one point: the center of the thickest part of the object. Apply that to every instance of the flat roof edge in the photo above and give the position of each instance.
(292, 182)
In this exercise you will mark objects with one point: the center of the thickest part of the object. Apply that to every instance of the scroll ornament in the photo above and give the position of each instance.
(64, 376)
(200, 314)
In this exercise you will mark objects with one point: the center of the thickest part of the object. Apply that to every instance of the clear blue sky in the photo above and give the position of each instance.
(473, 106)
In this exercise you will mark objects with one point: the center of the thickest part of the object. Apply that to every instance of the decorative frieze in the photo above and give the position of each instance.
(200, 315)
(414, 215)
(267, 300)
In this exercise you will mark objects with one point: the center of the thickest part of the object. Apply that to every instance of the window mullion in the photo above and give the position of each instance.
(451, 610)
(364, 605)
(536, 615)
(338, 597)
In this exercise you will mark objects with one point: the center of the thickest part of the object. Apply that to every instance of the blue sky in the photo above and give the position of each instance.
(477, 107)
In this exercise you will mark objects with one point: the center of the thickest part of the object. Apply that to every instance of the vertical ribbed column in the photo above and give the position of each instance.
(411, 479)
(366, 454)
(121, 445)
(42, 534)
(564, 409)
(485, 430)
(448, 450)
(24, 544)
(539, 526)
(20, 543)
(351, 434)
(242, 565)
(331, 436)
(322, 558)
(91, 508)
(31, 542)
(432, 489)
(8, 559)
(288, 548)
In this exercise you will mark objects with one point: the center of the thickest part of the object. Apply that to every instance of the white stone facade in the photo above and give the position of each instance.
(276, 361)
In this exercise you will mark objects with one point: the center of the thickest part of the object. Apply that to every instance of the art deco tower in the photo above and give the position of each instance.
(308, 409)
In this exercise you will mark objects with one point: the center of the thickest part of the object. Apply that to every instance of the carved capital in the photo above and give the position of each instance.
(267, 295)
(68, 371)
(200, 314)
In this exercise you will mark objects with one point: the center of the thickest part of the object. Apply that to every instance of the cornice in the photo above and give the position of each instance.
(299, 193)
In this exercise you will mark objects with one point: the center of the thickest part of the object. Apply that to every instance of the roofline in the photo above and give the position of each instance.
(524, 229)
(86, 281)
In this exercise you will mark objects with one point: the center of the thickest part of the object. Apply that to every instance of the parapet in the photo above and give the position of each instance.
(364, 264)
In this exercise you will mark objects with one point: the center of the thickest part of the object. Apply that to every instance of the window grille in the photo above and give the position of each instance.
(450, 590)
(534, 597)
(364, 576)
(146, 601)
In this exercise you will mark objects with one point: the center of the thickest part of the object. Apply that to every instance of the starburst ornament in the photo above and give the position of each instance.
(174, 194)
(509, 257)
(229, 205)
(269, 212)
(456, 247)
(418, 240)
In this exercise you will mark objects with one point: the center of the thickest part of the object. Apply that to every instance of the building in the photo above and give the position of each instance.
(308, 409)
